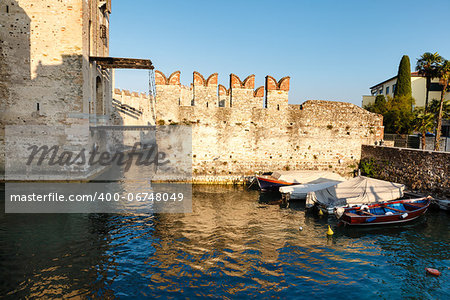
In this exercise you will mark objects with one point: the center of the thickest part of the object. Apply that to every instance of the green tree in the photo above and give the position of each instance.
(444, 76)
(427, 66)
(379, 106)
(403, 78)
(398, 116)
(423, 122)
(397, 121)
(397, 111)
(434, 107)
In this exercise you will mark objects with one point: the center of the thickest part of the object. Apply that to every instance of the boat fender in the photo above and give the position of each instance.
(330, 232)
(371, 219)
(404, 216)
(433, 271)
(338, 212)
(364, 207)
(389, 213)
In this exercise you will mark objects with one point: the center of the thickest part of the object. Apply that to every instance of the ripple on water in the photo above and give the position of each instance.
(230, 246)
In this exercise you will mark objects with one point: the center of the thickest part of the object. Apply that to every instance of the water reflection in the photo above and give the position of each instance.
(233, 244)
(41, 255)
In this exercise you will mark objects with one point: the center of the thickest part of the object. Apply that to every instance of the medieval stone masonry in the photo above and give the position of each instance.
(425, 171)
(49, 76)
(46, 76)
(242, 130)
(132, 108)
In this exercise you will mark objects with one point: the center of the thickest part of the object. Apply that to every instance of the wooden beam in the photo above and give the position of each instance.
(122, 63)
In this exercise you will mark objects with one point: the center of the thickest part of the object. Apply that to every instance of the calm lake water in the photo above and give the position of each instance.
(233, 245)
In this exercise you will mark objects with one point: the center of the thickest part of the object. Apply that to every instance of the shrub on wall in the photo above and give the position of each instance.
(368, 167)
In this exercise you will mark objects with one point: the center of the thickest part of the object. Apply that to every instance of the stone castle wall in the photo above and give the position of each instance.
(46, 77)
(132, 109)
(426, 171)
(242, 130)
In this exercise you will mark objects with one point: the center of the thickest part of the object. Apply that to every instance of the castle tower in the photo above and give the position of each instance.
(46, 75)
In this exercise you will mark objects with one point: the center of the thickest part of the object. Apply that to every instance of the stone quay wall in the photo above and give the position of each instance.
(425, 171)
(242, 130)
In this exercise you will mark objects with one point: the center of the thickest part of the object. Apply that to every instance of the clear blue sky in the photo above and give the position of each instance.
(333, 50)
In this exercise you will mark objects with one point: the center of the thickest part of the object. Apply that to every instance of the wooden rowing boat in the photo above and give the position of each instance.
(398, 211)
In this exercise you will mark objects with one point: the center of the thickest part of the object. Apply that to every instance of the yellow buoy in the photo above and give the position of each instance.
(330, 232)
(320, 212)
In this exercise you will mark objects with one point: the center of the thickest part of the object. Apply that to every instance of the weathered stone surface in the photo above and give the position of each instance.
(45, 74)
(245, 136)
(132, 108)
(426, 171)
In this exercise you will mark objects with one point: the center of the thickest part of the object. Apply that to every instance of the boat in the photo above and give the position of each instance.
(354, 192)
(272, 182)
(392, 212)
(299, 191)
(443, 204)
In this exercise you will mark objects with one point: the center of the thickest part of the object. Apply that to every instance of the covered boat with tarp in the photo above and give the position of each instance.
(355, 192)
(299, 191)
(278, 179)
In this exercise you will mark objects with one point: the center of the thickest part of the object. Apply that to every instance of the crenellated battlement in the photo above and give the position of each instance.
(131, 94)
(259, 92)
(199, 80)
(173, 79)
(282, 85)
(208, 93)
(236, 83)
(223, 90)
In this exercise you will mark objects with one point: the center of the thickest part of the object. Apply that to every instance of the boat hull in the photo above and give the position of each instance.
(443, 204)
(268, 184)
(392, 212)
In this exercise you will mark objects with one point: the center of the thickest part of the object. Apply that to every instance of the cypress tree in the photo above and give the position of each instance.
(404, 78)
